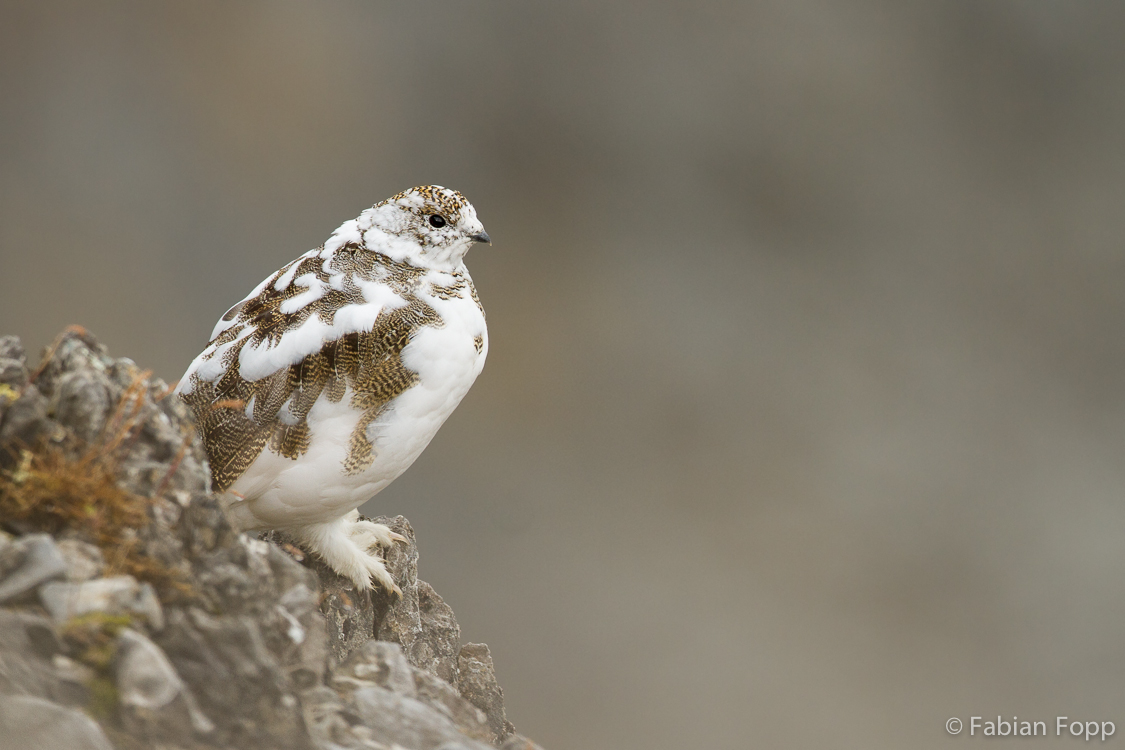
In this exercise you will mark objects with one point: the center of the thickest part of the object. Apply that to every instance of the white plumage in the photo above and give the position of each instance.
(330, 378)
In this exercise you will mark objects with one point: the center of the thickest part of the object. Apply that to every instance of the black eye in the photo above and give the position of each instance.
(437, 222)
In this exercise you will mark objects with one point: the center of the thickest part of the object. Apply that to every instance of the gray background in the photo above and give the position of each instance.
(803, 421)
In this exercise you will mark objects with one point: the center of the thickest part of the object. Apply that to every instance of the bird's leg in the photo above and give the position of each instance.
(368, 534)
(334, 543)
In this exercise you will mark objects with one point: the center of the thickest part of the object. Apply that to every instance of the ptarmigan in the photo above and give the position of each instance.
(331, 377)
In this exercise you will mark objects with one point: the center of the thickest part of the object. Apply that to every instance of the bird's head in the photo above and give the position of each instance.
(428, 226)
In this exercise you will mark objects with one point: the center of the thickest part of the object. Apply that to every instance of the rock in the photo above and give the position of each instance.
(115, 595)
(259, 642)
(28, 562)
(25, 424)
(476, 681)
(440, 633)
(13, 373)
(147, 605)
(330, 725)
(74, 680)
(31, 722)
(8, 396)
(420, 622)
(13, 365)
(444, 698)
(41, 635)
(349, 614)
(215, 639)
(27, 645)
(12, 348)
(74, 350)
(382, 664)
(84, 561)
(376, 664)
(81, 402)
(396, 719)
(155, 702)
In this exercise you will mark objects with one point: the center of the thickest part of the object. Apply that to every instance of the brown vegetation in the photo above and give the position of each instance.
(68, 487)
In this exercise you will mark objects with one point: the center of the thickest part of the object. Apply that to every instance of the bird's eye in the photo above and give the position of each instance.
(437, 222)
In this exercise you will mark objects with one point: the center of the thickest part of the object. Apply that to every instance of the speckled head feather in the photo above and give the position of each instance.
(436, 199)
(425, 226)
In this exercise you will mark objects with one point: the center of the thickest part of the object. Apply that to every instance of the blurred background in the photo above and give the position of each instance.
(803, 419)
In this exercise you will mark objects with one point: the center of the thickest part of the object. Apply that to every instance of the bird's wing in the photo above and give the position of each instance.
(328, 324)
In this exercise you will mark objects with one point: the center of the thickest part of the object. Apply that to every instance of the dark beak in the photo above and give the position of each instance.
(481, 236)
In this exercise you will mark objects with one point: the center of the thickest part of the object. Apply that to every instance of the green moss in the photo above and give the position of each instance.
(93, 637)
(107, 623)
(103, 698)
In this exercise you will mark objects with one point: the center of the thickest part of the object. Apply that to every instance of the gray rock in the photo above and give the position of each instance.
(12, 348)
(382, 664)
(239, 681)
(396, 719)
(440, 632)
(74, 350)
(145, 677)
(476, 681)
(84, 561)
(30, 722)
(8, 395)
(27, 563)
(81, 403)
(348, 613)
(41, 634)
(74, 679)
(420, 622)
(147, 605)
(28, 644)
(330, 725)
(155, 702)
(261, 644)
(376, 664)
(444, 698)
(420, 627)
(116, 595)
(26, 424)
(13, 373)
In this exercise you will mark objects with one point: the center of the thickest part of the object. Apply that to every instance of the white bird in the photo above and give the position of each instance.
(329, 379)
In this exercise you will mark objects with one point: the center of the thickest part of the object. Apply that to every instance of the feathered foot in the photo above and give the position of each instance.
(368, 534)
(344, 543)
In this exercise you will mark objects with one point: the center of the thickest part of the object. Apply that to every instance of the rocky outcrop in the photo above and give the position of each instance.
(132, 615)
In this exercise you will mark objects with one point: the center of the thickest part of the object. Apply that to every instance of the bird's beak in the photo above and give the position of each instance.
(481, 236)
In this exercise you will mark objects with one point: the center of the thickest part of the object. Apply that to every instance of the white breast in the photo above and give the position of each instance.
(282, 492)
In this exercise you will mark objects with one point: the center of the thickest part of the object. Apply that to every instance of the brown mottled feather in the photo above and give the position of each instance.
(370, 362)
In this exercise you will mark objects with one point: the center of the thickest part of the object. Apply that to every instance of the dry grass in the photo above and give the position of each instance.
(57, 488)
